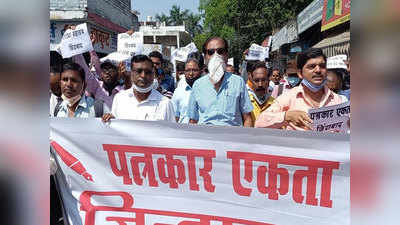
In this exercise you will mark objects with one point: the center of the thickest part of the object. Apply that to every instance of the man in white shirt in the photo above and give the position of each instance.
(141, 101)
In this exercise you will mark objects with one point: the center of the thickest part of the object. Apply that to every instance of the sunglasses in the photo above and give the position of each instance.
(220, 51)
(140, 71)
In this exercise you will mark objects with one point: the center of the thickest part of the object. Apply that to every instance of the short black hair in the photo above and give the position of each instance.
(214, 38)
(180, 66)
(276, 69)
(55, 70)
(258, 65)
(311, 53)
(250, 65)
(198, 57)
(107, 65)
(156, 54)
(140, 58)
(74, 67)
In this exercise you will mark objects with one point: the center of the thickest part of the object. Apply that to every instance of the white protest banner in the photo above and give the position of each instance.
(144, 172)
(331, 118)
(181, 54)
(257, 52)
(75, 42)
(130, 44)
(336, 62)
(118, 57)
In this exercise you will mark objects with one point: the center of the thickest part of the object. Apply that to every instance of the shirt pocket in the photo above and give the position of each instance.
(230, 103)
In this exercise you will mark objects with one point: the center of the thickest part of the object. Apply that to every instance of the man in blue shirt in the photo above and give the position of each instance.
(219, 98)
(167, 81)
(181, 96)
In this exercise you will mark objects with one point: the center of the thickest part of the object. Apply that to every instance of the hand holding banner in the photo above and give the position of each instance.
(75, 42)
(331, 118)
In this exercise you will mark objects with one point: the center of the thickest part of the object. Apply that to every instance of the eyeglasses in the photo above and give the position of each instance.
(156, 63)
(192, 71)
(220, 51)
(140, 71)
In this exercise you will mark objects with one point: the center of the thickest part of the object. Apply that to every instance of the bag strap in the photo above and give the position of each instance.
(99, 108)
(58, 106)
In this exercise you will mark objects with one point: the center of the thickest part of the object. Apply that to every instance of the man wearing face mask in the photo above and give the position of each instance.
(259, 96)
(181, 96)
(290, 81)
(219, 98)
(75, 103)
(167, 81)
(141, 101)
(290, 110)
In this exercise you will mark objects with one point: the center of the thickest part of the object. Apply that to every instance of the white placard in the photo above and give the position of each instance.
(336, 62)
(117, 174)
(117, 57)
(130, 44)
(230, 62)
(331, 118)
(181, 54)
(75, 42)
(257, 52)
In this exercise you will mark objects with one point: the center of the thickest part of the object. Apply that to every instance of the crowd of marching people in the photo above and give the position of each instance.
(203, 90)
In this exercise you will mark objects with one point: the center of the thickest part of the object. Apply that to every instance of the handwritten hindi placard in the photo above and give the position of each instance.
(331, 118)
(75, 42)
(336, 62)
(118, 176)
(181, 54)
(130, 44)
(257, 52)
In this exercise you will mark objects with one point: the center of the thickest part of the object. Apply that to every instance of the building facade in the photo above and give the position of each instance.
(105, 19)
(169, 37)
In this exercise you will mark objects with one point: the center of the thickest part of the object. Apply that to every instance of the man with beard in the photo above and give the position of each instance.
(141, 101)
(259, 96)
(290, 110)
(219, 98)
(181, 96)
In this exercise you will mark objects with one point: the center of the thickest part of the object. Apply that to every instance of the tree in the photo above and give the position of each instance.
(179, 17)
(243, 22)
(163, 18)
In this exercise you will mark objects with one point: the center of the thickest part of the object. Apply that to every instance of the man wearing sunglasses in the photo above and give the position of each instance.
(141, 101)
(220, 97)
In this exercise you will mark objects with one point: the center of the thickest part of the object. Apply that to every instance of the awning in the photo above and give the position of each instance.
(335, 45)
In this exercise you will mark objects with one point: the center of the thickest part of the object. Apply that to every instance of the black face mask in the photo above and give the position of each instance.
(190, 82)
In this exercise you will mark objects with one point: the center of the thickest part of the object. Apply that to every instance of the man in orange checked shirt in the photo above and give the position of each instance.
(290, 110)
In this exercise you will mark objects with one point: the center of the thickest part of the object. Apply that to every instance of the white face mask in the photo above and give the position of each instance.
(71, 101)
(143, 90)
(216, 68)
